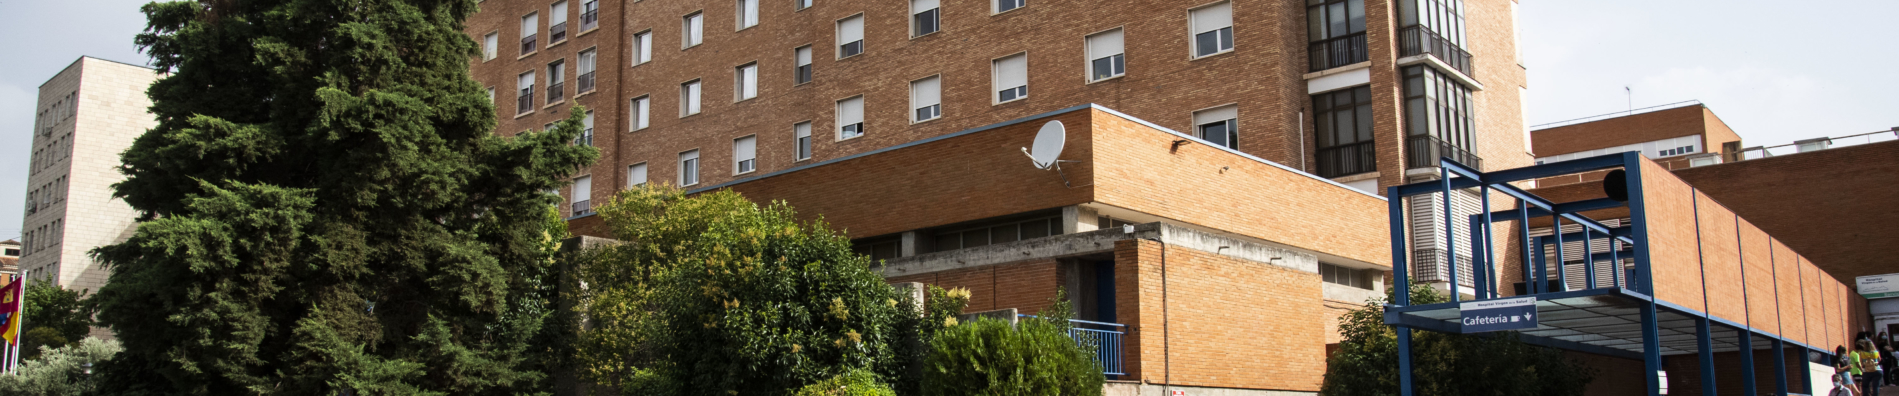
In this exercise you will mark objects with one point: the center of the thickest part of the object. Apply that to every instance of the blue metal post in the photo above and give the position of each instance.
(1589, 259)
(1542, 270)
(1747, 362)
(1450, 230)
(1562, 264)
(1780, 366)
(1399, 274)
(1704, 346)
(1615, 261)
(1651, 348)
(1404, 362)
(1532, 253)
(1490, 259)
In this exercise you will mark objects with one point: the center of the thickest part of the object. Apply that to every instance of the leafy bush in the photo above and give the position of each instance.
(1445, 364)
(55, 317)
(988, 357)
(60, 372)
(853, 383)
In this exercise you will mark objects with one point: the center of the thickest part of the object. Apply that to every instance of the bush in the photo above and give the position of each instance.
(853, 383)
(55, 317)
(62, 371)
(988, 357)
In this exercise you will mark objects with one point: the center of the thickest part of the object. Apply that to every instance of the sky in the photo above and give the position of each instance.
(1774, 71)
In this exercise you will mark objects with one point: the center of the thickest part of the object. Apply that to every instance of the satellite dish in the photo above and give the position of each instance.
(1048, 145)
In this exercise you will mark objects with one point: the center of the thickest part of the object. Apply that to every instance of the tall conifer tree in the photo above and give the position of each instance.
(325, 209)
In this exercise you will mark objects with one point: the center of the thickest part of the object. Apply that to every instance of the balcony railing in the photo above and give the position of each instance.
(1417, 40)
(583, 208)
(556, 91)
(1338, 51)
(527, 44)
(557, 33)
(1101, 339)
(589, 20)
(524, 103)
(1348, 160)
(584, 83)
(1423, 151)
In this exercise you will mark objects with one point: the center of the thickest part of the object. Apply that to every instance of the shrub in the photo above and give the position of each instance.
(62, 371)
(853, 383)
(988, 357)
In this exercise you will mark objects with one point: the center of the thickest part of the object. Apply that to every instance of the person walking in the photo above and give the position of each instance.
(1844, 369)
(1868, 359)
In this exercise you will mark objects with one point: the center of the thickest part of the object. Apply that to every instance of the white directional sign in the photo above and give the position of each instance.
(1499, 314)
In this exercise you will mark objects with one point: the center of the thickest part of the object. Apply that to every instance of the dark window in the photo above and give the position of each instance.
(1214, 41)
(1437, 119)
(1336, 29)
(879, 249)
(851, 48)
(929, 112)
(1221, 132)
(1436, 28)
(803, 4)
(854, 130)
(1343, 276)
(1344, 132)
(804, 74)
(1005, 5)
(994, 233)
(1012, 93)
(926, 22)
(1110, 66)
(556, 80)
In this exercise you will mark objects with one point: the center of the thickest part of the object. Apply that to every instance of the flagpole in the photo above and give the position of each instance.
(13, 362)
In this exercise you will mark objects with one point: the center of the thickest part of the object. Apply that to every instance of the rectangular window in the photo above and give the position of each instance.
(1105, 58)
(1212, 29)
(557, 22)
(556, 81)
(642, 47)
(530, 25)
(689, 98)
(641, 109)
(589, 15)
(585, 70)
(1343, 276)
(747, 14)
(802, 74)
(582, 196)
(693, 30)
(1343, 133)
(524, 100)
(1219, 125)
(803, 4)
(926, 99)
(850, 36)
(850, 118)
(636, 175)
(923, 17)
(1438, 119)
(586, 131)
(1006, 5)
(489, 44)
(1012, 77)
(491, 95)
(745, 82)
(689, 168)
(745, 154)
(1336, 30)
(802, 132)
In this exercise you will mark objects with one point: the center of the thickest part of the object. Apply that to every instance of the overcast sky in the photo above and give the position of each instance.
(1775, 71)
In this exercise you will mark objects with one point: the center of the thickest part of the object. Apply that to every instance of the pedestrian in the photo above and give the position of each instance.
(1889, 365)
(1868, 360)
(1844, 369)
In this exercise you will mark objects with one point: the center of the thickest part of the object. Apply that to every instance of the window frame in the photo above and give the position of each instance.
(738, 162)
(556, 79)
(839, 117)
(553, 13)
(741, 81)
(995, 79)
(995, 6)
(691, 34)
(808, 69)
(862, 39)
(801, 5)
(936, 18)
(642, 47)
(691, 97)
(491, 40)
(803, 145)
(1325, 131)
(533, 79)
(642, 108)
(1232, 125)
(689, 168)
(1193, 43)
(937, 108)
(523, 21)
(1088, 52)
(642, 171)
(588, 59)
(740, 12)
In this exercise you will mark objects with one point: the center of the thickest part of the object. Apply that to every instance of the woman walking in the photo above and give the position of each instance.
(1844, 369)
(1868, 360)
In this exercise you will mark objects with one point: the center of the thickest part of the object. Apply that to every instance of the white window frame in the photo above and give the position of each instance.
(586, 62)
(557, 14)
(802, 144)
(745, 82)
(689, 167)
(642, 109)
(997, 78)
(801, 58)
(995, 6)
(642, 47)
(803, 4)
(841, 31)
(745, 154)
(491, 46)
(574, 191)
(531, 80)
(921, 98)
(918, 7)
(1194, 30)
(636, 175)
(691, 94)
(692, 30)
(1099, 46)
(845, 118)
(1211, 115)
(745, 15)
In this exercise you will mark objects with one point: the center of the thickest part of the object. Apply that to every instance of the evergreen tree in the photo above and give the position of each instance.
(324, 208)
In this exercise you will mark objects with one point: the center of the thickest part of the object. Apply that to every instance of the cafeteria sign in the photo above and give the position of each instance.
(1499, 314)
(1879, 286)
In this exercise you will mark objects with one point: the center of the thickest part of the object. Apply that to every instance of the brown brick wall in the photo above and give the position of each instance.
(1834, 206)
(1793, 310)
(1230, 323)
(1684, 373)
(1668, 205)
(1763, 313)
(1027, 286)
(1721, 260)
(1639, 128)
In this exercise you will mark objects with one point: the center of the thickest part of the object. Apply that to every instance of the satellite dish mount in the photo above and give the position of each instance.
(1048, 145)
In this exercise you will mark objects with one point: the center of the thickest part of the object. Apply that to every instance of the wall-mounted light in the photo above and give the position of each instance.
(1178, 143)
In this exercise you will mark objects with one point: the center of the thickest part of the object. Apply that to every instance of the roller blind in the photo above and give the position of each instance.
(850, 30)
(1216, 115)
(744, 148)
(1012, 72)
(926, 92)
(804, 56)
(748, 13)
(527, 81)
(1104, 44)
(691, 95)
(583, 189)
(803, 129)
(918, 6)
(530, 24)
(748, 77)
(640, 112)
(636, 174)
(645, 42)
(586, 123)
(489, 44)
(559, 12)
(1214, 17)
(850, 111)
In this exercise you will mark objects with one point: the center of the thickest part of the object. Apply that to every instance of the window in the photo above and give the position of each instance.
(924, 17)
(693, 30)
(802, 74)
(1336, 29)
(1012, 77)
(745, 85)
(636, 175)
(1340, 275)
(641, 112)
(1343, 121)
(803, 4)
(1219, 125)
(1212, 29)
(997, 232)
(1105, 59)
(745, 154)
(689, 98)
(530, 25)
(850, 118)
(881, 248)
(488, 44)
(642, 47)
(850, 36)
(689, 168)
(582, 196)
(1437, 118)
(926, 99)
(585, 71)
(1006, 5)
(1445, 18)
(802, 132)
(557, 23)
(589, 15)
(491, 95)
(556, 81)
(747, 14)
(586, 131)
(524, 101)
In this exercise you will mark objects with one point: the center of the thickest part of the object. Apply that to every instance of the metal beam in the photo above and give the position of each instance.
(1569, 207)
(1704, 346)
(1747, 361)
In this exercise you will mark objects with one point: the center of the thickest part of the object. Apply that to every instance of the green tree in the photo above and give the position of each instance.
(1035, 357)
(716, 295)
(325, 207)
(1366, 362)
(63, 371)
(55, 317)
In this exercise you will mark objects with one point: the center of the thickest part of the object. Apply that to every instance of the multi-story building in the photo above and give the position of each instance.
(10, 257)
(88, 114)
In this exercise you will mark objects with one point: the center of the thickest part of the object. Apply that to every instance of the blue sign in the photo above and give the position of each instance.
(1499, 314)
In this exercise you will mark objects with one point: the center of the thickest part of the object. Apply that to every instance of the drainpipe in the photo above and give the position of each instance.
(1167, 357)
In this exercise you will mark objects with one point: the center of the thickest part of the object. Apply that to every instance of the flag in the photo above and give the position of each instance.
(11, 307)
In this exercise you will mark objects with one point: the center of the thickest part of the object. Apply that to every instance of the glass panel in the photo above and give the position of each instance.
(1364, 123)
(1356, 16)
(1036, 229)
(1315, 24)
(1414, 116)
(1335, 19)
(1407, 12)
(1346, 125)
(1324, 127)
(1206, 43)
(950, 241)
(974, 238)
(1004, 234)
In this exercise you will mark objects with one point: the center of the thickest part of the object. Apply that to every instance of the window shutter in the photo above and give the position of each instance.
(850, 30)
(802, 130)
(1012, 72)
(586, 62)
(636, 174)
(530, 24)
(744, 148)
(560, 13)
(1104, 44)
(926, 92)
(586, 123)
(527, 81)
(1216, 115)
(850, 111)
(804, 56)
(1214, 17)
(919, 6)
(583, 189)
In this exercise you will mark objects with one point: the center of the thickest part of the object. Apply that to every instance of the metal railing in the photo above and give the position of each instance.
(1100, 339)
(583, 208)
(1338, 51)
(1347, 160)
(1423, 151)
(589, 20)
(584, 83)
(527, 44)
(557, 33)
(556, 91)
(1758, 152)
(1415, 40)
(524, 103)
